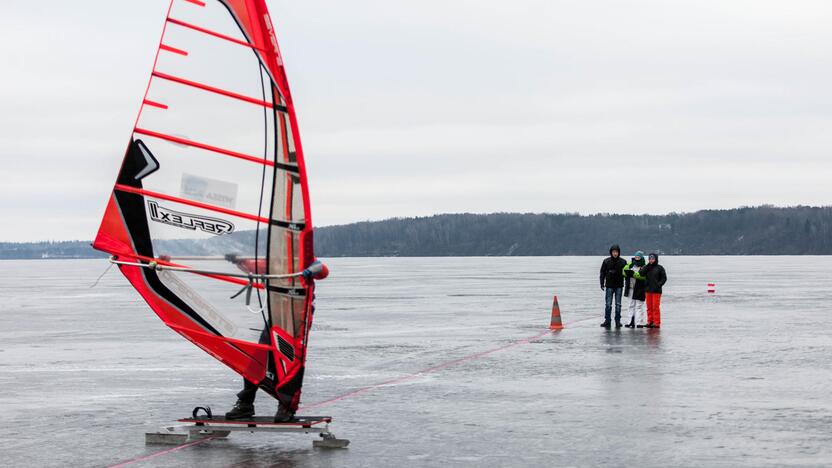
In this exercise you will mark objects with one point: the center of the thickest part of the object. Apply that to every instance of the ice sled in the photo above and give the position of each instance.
(218, 427)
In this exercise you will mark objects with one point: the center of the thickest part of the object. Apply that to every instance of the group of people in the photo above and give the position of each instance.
(639, 280)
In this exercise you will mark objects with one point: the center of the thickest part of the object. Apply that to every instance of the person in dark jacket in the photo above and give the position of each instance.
(634, 288)
(655, 277)
(612, 282)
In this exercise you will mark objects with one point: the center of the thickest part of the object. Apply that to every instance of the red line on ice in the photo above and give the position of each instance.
(359, 391)
(435, 368)
(159, 454)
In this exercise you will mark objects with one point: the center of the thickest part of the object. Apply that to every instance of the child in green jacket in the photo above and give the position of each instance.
(634, 288)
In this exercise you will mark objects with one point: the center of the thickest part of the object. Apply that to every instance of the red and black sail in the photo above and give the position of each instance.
(214, 180)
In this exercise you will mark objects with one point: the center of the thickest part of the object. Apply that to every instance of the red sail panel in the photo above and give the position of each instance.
(218, 101)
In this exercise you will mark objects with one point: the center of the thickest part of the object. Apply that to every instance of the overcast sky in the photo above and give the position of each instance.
(424, 107)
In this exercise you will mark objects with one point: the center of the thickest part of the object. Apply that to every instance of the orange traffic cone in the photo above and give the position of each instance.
(556, 323)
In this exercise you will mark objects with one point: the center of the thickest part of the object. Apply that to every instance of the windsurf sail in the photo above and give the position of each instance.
(212, 200)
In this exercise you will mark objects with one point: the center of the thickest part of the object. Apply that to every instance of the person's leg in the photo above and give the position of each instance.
(631, 313)
(618, 292)
(657, 313)
(649, 301)
(641, 318)
(248, 393)
(244, 408)
(608, 305)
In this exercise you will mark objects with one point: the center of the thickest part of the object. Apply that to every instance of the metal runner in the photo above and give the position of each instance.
(193, 429)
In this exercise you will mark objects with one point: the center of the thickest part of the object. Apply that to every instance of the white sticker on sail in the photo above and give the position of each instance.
(211, 191)
(204, 308)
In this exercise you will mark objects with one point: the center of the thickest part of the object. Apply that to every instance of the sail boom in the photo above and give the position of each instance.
(162, 261)
(162, 267)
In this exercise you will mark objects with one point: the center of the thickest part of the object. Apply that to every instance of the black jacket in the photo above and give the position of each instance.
(612, 270)
(632, 276)
(656, 277)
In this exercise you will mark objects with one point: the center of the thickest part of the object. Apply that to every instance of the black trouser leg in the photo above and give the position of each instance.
(249, 390)
(247, 394)
(608, 296)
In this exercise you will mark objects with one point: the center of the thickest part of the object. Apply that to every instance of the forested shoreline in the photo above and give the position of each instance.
(763, 230)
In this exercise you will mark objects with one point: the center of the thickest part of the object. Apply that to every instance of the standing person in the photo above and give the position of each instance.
(634, 288)
(612, 281)
(656, 278)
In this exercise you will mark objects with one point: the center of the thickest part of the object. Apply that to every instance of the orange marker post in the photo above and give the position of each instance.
(556, 323)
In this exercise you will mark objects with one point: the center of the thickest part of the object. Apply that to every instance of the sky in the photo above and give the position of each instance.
(417, 108)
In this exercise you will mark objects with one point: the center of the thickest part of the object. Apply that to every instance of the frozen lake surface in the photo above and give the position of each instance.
(740, 378)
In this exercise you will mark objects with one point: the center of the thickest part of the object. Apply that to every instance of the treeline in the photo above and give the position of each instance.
(763, 230)
(38, 250)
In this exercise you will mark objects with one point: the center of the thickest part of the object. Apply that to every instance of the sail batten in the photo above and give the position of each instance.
(175, 50)
(219, 91)
(155, 104)
(184, 201)
(185, 24)
(214, 149)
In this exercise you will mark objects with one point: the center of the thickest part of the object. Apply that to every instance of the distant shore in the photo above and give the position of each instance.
(763, 230)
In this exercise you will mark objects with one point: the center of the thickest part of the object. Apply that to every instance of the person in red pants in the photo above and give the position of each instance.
(656, 277)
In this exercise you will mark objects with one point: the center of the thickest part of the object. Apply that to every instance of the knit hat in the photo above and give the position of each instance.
(639, 254)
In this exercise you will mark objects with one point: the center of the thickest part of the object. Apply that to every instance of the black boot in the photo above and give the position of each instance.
(241, 410)
(606, 324)
(617, 324)
(283, 414)
(632, 323)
